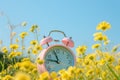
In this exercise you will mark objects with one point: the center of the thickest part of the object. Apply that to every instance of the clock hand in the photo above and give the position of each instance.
(52, 60)
(56, 55)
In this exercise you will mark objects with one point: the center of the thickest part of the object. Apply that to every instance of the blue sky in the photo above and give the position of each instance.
(77, 18)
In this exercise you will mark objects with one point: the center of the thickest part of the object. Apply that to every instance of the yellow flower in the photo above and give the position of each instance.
(34, 51)
(14, 46)
(7, 77)
(86, 62)
(89, 72)
(34, 42)
(65, 76)
(24, 24)
(115, 48)
(103, 26)
(71, 70)
(97, 34)
(79, 71)
(23, 34)
(79, 60)
(109, 58)
(61, 71)
(22, 76)
(12, 54)
(10, 67)
(97, 71)
(117, 68)
(17, 65)
(32, 29)
(38, 47)
(91, 56)
(106, 42)
(34, 71)
(81, 49)
(25, 59)
(18, 53)
(102, 62)
(39, 61)
(53, 75)
(4, 72)
(105, 38)
(4, 50)
(57, 78)
(44, 76)
(104, 74)
(96, 46)
(27, 66)
(100, 37)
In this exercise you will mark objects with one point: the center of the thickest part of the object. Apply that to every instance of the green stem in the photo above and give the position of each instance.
(29, 56)
(22, 46)
(36, 35)
(14, 60)
(2, 65)
(11, 40)
(113, 72)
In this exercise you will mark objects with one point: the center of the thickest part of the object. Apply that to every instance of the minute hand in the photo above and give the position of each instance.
(52, 60)
(56, 56)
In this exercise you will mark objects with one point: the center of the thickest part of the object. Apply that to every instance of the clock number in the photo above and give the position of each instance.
(57, 51)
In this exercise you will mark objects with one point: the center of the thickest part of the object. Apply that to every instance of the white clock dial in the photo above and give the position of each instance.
(57, 58)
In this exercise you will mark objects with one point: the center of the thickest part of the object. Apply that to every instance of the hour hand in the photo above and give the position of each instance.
(52, 60)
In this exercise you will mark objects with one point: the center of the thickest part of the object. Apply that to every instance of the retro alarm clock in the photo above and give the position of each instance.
(56, 56)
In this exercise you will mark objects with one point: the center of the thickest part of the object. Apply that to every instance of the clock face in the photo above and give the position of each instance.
(57, 58)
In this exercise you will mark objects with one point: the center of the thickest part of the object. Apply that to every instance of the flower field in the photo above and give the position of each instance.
(103, 63)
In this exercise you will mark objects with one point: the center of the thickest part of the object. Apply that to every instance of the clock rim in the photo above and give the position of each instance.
(42, 68)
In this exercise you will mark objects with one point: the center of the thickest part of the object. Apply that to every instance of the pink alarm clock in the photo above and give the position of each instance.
(57, 56)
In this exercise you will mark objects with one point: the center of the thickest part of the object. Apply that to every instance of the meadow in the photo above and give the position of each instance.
(101, 64)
